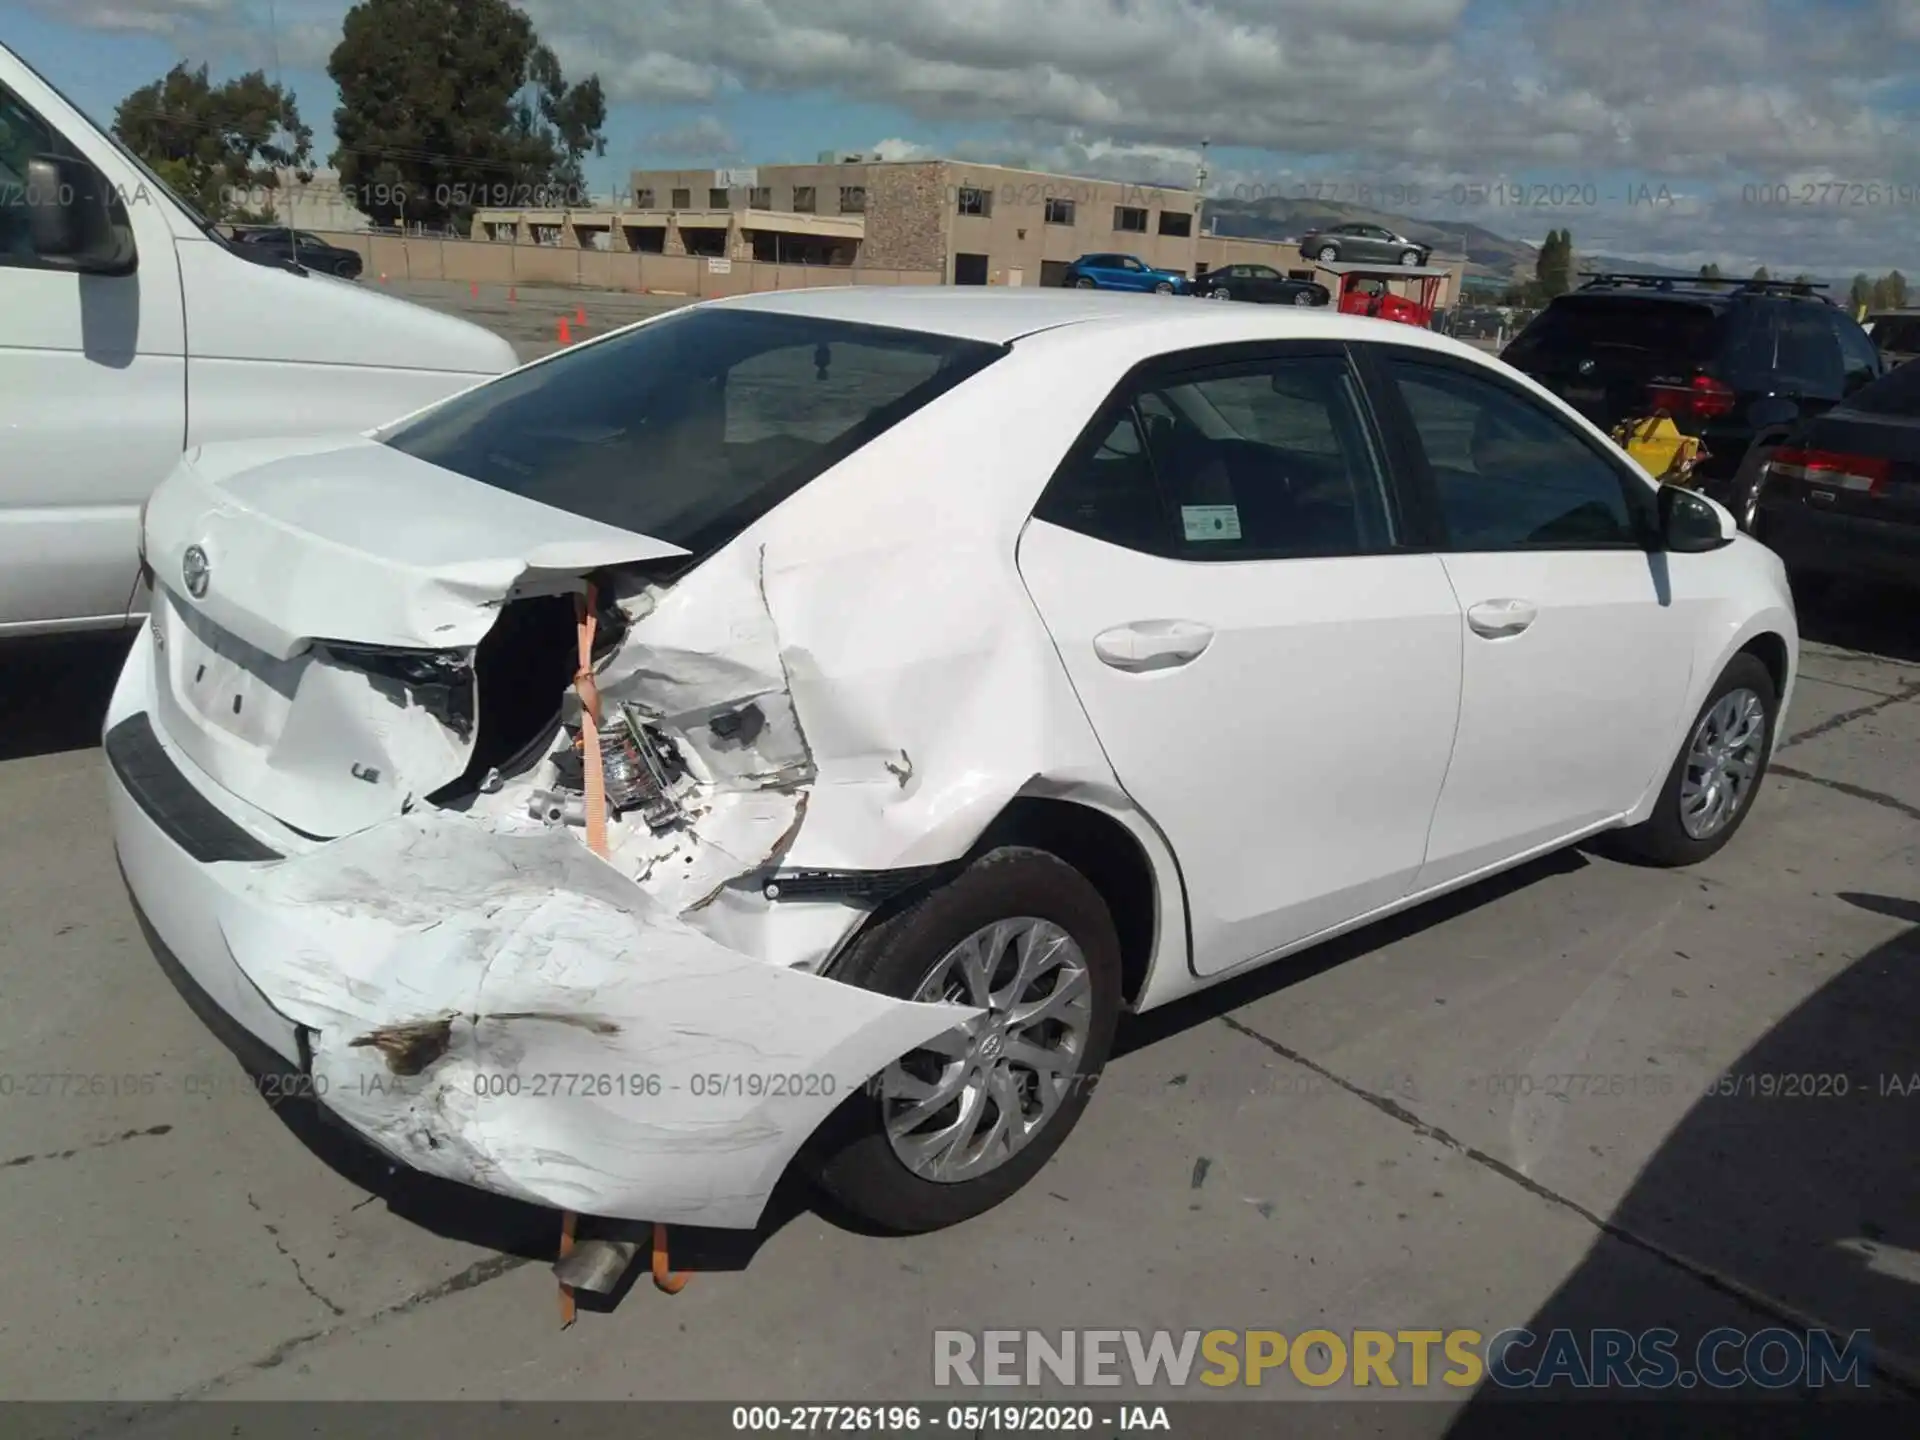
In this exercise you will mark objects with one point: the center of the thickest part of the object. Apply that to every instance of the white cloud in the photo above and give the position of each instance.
(1387, 93)
(702, 138)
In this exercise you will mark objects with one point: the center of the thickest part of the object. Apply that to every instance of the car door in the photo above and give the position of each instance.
(1262, 284)
(92, 384)
(1132, 273)
(1269, 656)
(1577, 662)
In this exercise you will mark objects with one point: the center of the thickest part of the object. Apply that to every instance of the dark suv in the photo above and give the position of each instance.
(1738, 364)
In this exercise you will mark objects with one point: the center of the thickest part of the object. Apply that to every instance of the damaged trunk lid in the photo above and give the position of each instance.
(318, 611)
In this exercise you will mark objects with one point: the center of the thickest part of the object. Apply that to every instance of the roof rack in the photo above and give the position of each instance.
(1612, 279)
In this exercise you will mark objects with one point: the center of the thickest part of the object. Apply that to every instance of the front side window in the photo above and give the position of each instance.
(1265, 460)
(692, 427)
(23, 135)
(1508, 474)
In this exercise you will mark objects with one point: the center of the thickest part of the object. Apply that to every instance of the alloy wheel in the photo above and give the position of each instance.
(973, 1098)
(1723, 762)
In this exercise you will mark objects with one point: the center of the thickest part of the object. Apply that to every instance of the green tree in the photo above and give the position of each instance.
(222, 147)
(1860, 292)
(1710, 272)
(1761, 274)
(1553, 266)
(1896, 290)
(448, 106)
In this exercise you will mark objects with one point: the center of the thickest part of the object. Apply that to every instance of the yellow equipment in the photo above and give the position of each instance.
(1657, 444)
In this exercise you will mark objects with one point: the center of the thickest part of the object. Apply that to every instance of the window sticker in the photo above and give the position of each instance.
(1211, 522)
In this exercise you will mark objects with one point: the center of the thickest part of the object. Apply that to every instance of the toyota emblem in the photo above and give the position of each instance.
(194, 569)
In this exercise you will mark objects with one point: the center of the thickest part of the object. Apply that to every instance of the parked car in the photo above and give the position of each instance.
(1736, 365)
(866, 886)
(1368, 244)
(301, 247)
(1841, 496)
(1896, 334)
(1123, 272)
(1261, 284)
(133, 330)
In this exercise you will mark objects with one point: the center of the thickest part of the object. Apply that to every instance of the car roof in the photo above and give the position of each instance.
(1001, 315)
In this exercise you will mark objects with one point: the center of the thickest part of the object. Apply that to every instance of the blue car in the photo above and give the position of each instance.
(1123, 272)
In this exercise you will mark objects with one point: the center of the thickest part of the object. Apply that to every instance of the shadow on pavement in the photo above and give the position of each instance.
(1786, 1198)
(54, 691)
(1872, 619)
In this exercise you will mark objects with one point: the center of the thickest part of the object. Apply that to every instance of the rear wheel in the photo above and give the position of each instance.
(1711, 788)
(1222, 293)
(949, 1131)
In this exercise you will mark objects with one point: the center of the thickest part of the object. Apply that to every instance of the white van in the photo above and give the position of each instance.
(131, 332)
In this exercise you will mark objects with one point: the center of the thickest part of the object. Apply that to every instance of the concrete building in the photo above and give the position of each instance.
(318, 204)
(972, 224)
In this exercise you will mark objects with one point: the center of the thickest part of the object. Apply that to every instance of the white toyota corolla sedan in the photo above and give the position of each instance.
(796, 727)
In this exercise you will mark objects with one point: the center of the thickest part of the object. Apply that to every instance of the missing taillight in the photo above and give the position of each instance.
(439, 681)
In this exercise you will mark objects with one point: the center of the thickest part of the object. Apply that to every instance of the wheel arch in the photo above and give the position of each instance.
(1121, 855)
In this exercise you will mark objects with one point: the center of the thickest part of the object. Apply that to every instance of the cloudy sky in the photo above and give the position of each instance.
(1777, 132)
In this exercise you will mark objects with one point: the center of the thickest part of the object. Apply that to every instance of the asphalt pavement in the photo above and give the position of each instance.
(1585, 1094)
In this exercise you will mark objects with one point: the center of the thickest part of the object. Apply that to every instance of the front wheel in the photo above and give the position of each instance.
(948, 1131)
(1409, 257)
(1711, 788)
(1165, 287)
(1303, 297)
(347, 270)
(1083, 283)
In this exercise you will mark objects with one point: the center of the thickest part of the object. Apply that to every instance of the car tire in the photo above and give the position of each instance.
(1165, 287)
(1221, 293)
(852, 1159)
(1303, 297)
(1409, 257)
(346, 270)
(1664, 838)
(1327, 253)
(1083, 283)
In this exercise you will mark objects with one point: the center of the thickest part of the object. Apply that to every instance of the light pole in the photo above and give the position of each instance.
(1199, 206)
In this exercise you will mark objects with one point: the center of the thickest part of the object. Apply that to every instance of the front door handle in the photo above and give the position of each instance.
(1152, 644)
(1498, 619)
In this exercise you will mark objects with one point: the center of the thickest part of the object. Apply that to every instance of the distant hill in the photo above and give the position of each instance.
(1491, 257)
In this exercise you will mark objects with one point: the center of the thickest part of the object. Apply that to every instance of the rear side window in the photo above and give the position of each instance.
(1266, 460)
(1666, 330)
(693, 427)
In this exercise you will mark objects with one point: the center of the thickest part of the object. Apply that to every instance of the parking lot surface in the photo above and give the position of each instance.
(1585, 1094)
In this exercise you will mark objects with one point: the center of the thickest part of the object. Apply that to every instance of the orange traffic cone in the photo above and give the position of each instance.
(513, 294)
(566, 336)
(473, 288)
(383, 277)
(579, 314)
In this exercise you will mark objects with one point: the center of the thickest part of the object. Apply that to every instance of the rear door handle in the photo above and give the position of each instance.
(1498, 619)
(1153, 644)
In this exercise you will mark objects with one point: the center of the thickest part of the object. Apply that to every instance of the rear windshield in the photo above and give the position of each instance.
(691, 428)
(1895, 393)
(1667, 330)
(1897, 332)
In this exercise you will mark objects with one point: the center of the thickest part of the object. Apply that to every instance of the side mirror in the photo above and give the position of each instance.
(1691, 524)
(70, 215)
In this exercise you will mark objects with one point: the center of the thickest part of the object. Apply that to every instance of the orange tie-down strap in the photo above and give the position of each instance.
(596, 779)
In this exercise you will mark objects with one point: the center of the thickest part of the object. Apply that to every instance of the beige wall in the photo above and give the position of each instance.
(1016, 236)
(486, 263)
